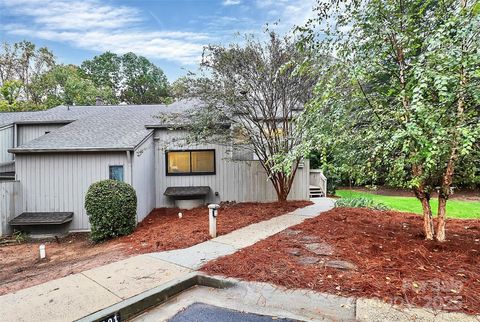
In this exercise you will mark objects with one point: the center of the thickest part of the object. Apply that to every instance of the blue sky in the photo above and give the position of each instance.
(170, 33)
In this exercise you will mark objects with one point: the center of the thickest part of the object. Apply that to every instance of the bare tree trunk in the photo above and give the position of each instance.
(424, 196)
(281, 187)
(442, 203)
(444, 192)
(282, 196)
(427, 213)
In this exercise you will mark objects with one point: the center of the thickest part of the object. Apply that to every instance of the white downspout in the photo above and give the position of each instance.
(130, 163)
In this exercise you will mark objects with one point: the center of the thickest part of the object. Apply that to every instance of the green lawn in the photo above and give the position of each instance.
(455, 208)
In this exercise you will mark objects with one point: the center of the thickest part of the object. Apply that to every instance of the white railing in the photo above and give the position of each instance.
(318, 179)
(10, 204)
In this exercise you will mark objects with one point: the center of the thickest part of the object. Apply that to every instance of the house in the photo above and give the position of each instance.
(53, 157)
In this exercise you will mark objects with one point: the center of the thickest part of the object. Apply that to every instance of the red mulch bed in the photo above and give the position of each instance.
(393, 261)
(160, 230)
(163, 230)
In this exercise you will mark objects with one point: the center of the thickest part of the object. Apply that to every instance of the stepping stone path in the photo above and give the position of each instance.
(308, 260)
(339, 264)
(308, 239)
(322, 249)
(294, 251)
(291, 232)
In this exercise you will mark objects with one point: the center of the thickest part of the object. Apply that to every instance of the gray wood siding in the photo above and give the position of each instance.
(6, 142)
(29, 132)
(10, 204)
(59, 182)
(144, 178)
(234, 180)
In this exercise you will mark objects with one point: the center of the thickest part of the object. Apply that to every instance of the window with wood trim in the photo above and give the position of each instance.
(190, 162)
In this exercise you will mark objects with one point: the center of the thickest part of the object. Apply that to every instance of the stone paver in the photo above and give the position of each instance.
(64, 299)
(197, 255)
(134, 275)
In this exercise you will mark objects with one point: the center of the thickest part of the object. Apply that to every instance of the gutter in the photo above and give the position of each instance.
(45, 122)
(166, 126)
(59, 150)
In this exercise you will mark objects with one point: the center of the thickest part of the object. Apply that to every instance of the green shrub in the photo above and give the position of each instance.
(20, 236)
(111, 207)
(360, 203)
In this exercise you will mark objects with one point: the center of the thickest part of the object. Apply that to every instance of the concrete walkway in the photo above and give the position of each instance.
(78, 295)
(194, 257)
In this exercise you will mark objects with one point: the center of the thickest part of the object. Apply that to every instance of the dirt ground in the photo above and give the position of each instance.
(465, 195)
(162, 229)
(367, 253)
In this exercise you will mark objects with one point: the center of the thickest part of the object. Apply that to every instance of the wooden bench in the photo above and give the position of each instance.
(42, 218)
(187, 193)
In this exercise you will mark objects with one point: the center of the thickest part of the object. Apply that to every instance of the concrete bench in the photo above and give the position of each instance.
(188, 197)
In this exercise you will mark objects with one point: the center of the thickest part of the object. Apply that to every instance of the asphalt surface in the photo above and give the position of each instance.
(199, 312)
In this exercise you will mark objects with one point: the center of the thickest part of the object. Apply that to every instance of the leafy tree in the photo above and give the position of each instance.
(400, 99)
(179, 88)
(24, 63)
(10, 90)
(258, 89)
(64, 84)
(448, 91)
(145, 83)
(133, 78)
(104, 70)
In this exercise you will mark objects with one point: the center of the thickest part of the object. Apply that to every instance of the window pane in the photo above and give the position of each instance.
(116, 172)
(178, 162)
(203, 161)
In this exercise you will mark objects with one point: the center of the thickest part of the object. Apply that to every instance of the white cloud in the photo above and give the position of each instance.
(289, 13)
(94, 25)
(231, 2)
(102, 25)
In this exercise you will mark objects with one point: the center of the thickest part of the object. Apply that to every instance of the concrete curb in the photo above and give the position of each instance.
(137, 304)
(374, 310)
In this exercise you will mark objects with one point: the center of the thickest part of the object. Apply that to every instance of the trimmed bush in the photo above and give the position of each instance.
(360, 203)
(111, 207)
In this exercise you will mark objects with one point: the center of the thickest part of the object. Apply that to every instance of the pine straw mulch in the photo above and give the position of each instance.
(161, 230)
(393, 261)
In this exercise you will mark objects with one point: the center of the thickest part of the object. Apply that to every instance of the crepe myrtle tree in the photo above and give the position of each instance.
(399, 103)
(258, 88)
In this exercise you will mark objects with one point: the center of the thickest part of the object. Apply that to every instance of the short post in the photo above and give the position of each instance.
(43, 252)
(212, 219)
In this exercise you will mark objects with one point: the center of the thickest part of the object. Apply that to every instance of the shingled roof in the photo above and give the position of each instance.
(107, 128)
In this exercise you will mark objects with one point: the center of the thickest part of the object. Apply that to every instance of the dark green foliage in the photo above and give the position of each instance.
(360, 203)
(65, 84)
(134, 79)
(321, 160)
(112, 207)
